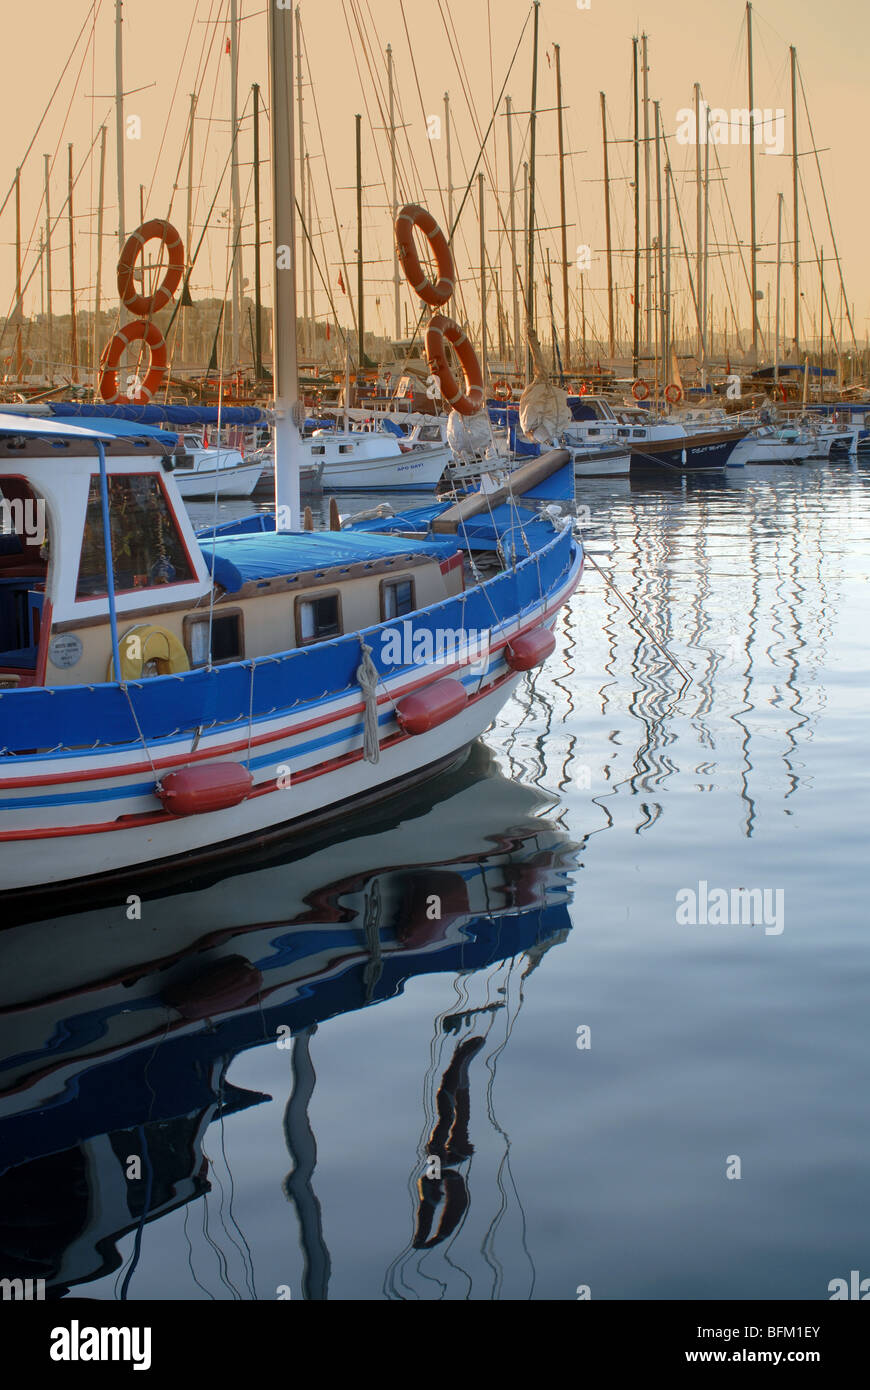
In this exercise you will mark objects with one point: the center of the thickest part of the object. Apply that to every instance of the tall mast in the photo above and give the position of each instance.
(74, 349)
(566, 333)
(669, 329)
(607, 226)
(50, 355)
(752, 230)
(188, 242)
(779, 201)
(513, 230)
(533, 121)
(795, 211)
(705, 334)
(646, 191)
(821, 323)
(359, 249)
(18, 351)
(119, 118)
(699, 218)
(636, 330)
(449, 166)
(300, 135)
(397, 312)
(98, 291)
(258, 282)
(309, 252)
(288, 445)
(661, 249)
(234, 184)
(483, 346)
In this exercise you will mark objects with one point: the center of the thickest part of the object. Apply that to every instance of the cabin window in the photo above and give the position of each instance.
(227, 642)
(318, 619)
(147, 548)
(346, 448)
(318, 449)
(397, 598)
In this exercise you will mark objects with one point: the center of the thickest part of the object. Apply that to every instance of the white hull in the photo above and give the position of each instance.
(588, 465)
(768, 451)
(419, 470)
(235, 481)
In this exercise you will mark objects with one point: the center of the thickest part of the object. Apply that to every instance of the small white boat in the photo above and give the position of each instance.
(604, 461)
(370, 461)
(201, 472)
(769, 445)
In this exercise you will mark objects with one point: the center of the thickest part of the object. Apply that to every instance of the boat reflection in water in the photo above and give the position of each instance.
(119, 1020)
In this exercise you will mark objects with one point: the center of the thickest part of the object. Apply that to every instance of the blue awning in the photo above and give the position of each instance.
(166, 414)
(237, 560)
(46, 428)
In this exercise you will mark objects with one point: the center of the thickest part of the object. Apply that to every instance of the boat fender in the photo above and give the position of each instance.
(530, 649)
(205, 787)
(426, 709)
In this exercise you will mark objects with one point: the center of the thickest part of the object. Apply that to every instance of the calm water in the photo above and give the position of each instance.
(558, 849)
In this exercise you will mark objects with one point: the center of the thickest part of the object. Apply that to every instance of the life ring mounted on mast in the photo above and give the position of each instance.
(673, 393)
(137, 331)
(440, 331)
(142, 306)
(640, 390)
(434, 293)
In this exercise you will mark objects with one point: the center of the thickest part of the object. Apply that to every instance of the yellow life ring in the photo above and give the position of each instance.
(144, 643)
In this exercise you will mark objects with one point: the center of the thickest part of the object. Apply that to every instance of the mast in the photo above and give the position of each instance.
(752, 214)
(779, 201)
(449, 166)
(397, 313)
(188, 242)
(288, 445)
(646, 190)
(513, 231)
(483, 348)
(50, 355)
(309, 251)
(258, 282)
(530, 268)
(359, 248)
(99, 285)
(660, 267)
(636, 331)
(607, 225)
(699, 218)
(821, 322)
(18, 352)
(72, 272)
(303, 210)
(668, 334)
(119, 118)
(234, 185)
(706, 265)
(566, 334)
(795, 212)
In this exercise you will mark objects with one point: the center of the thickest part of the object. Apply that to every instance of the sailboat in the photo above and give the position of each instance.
(163, 695)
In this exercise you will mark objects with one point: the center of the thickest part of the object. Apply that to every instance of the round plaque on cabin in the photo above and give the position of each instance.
(65, 650)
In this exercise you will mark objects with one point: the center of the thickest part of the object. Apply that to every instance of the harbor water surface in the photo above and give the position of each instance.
(515, 1066)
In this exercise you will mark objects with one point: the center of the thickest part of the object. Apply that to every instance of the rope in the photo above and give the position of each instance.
(367, 679)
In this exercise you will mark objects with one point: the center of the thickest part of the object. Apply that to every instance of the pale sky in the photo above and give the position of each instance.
(704, 43)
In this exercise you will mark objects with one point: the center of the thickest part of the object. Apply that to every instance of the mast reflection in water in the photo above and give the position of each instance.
(115, 1107)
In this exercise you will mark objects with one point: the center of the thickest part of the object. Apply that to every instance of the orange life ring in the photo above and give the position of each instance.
(673, 393)
(640, 390)
(131, 333)
(441, 328)
(503, 391)
(144, 305)
(582, 389)
(432, 293)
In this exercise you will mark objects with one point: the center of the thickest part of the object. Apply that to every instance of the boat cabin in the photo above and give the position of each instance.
(181, 601)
